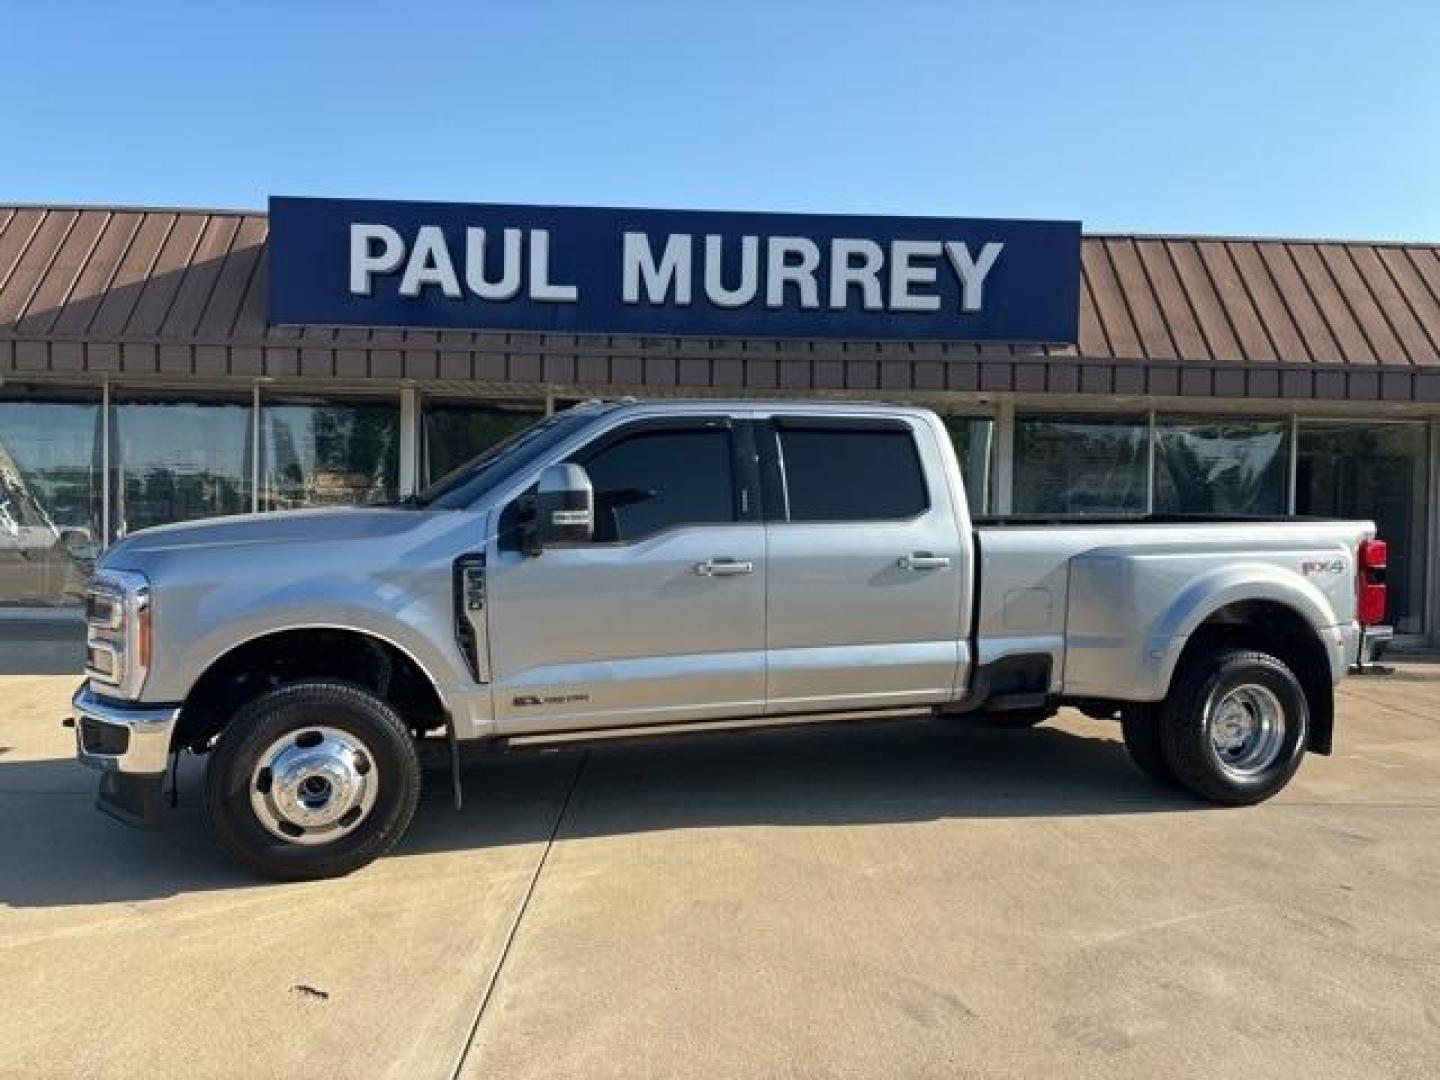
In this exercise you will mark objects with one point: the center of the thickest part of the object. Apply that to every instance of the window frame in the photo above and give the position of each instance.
(775, 478)
(745, 488)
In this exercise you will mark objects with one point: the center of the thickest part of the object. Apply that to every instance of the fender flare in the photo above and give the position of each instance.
(1240, 583)
(215, 653)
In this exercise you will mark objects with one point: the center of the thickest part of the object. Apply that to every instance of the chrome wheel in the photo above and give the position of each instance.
(314, 785)
(1247, 729)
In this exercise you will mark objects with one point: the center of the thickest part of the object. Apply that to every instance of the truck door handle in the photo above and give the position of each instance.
(723, 567)
(923, 560)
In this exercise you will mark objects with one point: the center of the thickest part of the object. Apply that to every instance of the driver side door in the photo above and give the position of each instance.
(660, 618)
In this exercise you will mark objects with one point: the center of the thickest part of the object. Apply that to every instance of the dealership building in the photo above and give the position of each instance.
(164, 365)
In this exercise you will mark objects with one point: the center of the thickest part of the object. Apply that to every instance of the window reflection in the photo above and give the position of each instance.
(1080, 465)
(1221, 466)
(328, 454)
(974, 441)
(50, 500)
(178, 460)
(455, 433)
(1375, 471)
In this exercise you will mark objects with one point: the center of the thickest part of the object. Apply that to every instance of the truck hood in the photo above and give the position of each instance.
(285, 527)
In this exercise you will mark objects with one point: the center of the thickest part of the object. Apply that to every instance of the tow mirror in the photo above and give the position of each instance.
(564, 508)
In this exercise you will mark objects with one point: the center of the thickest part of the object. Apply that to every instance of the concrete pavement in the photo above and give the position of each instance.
(895, 900)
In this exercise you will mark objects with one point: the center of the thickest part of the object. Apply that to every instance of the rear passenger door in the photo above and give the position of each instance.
(868, 588)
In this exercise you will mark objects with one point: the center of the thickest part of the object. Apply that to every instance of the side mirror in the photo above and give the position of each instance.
(564, 508)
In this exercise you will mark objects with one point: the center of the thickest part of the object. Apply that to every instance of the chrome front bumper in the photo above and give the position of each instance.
(118, 738)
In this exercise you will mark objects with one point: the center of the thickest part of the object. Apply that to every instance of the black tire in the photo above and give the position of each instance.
(1140, 726)
(1188, 725)
(258, 726)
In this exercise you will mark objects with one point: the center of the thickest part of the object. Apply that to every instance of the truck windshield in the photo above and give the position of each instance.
(463, 486)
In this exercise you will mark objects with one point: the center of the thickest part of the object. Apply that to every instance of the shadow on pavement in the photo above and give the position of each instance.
(58, 850)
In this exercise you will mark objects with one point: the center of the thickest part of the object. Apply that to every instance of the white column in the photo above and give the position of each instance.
(255, 430)
(104, 465)
(409, 441)
(1430, 617)
(1004, 456)
(1294, 469)
(1150, 462)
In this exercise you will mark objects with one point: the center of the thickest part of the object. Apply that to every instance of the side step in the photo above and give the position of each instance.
(700, 727)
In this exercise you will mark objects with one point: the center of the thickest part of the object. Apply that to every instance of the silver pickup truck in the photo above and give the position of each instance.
(685, 566)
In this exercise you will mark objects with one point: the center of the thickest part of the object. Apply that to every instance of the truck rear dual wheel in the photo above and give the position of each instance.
(312, 780)
(1233, 729)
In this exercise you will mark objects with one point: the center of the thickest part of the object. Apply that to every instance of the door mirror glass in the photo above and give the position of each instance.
(564, 508)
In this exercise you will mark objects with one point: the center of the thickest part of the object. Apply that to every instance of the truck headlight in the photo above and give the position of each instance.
(117, 631)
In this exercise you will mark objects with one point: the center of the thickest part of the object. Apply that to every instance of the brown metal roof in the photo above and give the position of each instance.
(178, 291)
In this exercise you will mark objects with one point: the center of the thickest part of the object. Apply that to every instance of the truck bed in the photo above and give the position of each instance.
(1111, 601)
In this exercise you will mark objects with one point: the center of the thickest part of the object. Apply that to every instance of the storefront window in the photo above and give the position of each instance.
(328, 453)
(455, 433)
(177, 460)
(1377, 471)
(1221, 466)
(50, 499)
(974, 441)
(1080, 465)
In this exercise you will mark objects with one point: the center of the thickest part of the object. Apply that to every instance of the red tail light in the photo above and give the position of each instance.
(1370, 603)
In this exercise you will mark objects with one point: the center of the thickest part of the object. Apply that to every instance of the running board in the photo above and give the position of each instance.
(697, 727)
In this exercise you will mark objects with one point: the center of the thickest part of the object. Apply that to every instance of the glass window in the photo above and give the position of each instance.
(1213, 465)
(974, 441)
(329, 454)
(1375, 471)
(455, 433)
(463, 487)
(50, 499)
(1080, 465)
(177, 460)
(655, 480)
(859, 474)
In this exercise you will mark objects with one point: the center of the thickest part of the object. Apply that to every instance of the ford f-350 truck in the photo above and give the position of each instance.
(682, 566)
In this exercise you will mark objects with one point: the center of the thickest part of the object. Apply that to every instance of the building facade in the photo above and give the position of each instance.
(144, 383)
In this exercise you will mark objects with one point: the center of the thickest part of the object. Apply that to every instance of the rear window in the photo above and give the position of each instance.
(852, 474)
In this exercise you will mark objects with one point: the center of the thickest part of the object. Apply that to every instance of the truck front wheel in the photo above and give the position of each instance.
(312, 780)
(1233, 729)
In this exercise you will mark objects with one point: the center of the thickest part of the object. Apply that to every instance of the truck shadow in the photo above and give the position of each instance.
(57, 850)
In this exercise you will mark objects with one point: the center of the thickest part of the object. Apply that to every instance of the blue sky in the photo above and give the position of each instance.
(1268, 117)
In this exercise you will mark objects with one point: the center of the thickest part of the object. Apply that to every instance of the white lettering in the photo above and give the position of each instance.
(780, 271)
(904, 274)
(844, 273)
(541, 287)
(638, 264)
(972, 274)
(430, 264)
(715, 290)
(366, 262)
(508, 284)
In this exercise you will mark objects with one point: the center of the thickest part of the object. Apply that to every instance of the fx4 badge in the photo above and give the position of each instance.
(1311, 567)
(526, 700)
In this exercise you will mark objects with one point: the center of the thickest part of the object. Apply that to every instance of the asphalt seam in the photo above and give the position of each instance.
(499, 967)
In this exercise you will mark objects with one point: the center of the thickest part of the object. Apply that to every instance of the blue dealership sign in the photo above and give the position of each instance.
(671, 272)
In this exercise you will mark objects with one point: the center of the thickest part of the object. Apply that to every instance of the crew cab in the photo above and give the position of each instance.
(682, 566)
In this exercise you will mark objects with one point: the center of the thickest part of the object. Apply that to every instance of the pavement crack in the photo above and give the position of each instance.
(524, 905)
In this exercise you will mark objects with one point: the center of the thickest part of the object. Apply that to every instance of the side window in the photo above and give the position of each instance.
(852, 474)
(656, 480)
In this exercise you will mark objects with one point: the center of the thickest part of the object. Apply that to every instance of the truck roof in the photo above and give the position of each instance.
(696, 405)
